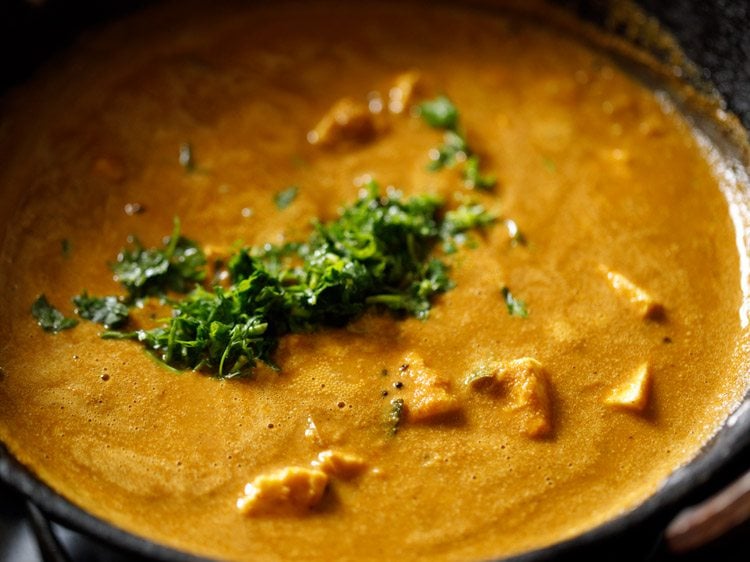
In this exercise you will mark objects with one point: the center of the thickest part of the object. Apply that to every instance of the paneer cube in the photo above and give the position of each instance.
(426, 394)
(346, 121)
(529, 394)
(644, 304)
(405, 88)
(291, 490)
(341, 465)
(633, 394)
(525, 385)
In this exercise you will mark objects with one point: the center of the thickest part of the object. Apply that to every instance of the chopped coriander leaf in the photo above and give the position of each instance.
(108, 311)
(66, 247)
(395, 415)
(516, 307)
(439, 113)
(276, 259)
(459, 221)
(377, 253)
(49, 318)
(186, 261)
(474, 179)
(284, 198)
(177, 266)
(415, 300)
(378, 249)
(465, 218)
(453, 150)
(187, 157)
(218, 330)
(549, 164)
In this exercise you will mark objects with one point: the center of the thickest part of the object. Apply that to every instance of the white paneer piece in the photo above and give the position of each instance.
(426, 394)
(644, 304)
(406, 87)
(525, 384)
(633, 394)
(346, 121)
(340, 465)
(291, 490)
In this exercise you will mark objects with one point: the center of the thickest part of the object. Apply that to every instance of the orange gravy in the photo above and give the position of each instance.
(600, 174)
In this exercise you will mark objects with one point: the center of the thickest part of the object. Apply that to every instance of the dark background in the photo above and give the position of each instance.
(715, 34)
(18, 542)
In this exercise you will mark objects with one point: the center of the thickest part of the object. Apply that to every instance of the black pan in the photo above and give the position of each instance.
(714, 36)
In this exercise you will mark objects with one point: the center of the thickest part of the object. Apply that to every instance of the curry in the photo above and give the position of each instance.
(591, 339)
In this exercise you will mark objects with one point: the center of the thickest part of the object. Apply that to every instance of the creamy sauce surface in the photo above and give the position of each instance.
(595, 169)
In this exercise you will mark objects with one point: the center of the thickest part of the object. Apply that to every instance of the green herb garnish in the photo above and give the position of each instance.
(474, 178)
(66, 247)
(440, 113)
(453, 150)
(459, 221)
(395, 415)
(465, 218)
(177, 266)
(49, 318)
(377, 253)
(549, 164)
(108, 311)
(516, 307)
(284, 198)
